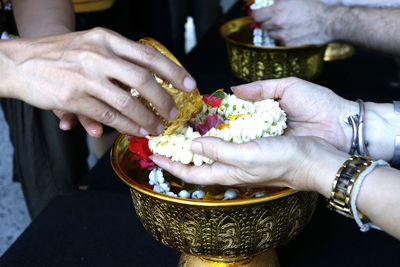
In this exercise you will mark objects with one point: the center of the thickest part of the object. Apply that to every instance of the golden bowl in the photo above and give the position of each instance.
(253, 63)
(215, 231)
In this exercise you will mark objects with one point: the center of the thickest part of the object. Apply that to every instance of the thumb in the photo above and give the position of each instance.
(261, 90)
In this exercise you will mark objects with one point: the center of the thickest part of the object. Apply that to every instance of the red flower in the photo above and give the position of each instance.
(255, 24)
(140, 147)
(213, 101)
(212, 121)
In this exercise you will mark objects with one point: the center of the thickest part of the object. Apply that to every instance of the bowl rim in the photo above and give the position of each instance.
(247, 20)
(185, 201)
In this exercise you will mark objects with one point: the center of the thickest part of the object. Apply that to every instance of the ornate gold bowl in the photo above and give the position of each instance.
(217, 233)
(252, 63)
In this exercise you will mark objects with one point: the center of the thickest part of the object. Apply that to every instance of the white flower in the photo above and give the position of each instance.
(198, 194)
(231, 194)
(157, 188)
(184, 194)
(172, 194)
(249, 120)
(165, 186)
(259, 194)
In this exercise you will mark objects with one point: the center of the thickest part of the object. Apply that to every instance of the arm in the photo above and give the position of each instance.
(364, 3)
(74, 72)
(379, 196)
(300, 22)
(302, 163)
(375, 28)
(298, 160)
(36, 18)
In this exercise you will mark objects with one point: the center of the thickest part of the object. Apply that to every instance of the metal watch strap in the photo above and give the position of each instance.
(396, 154)
(342, 186)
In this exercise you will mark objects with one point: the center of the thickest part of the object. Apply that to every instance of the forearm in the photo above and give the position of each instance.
(364, 3)
(375, 28)
(36, 18)
(379, 196)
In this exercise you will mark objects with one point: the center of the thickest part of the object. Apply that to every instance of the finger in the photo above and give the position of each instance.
(128, 106)
(148, 57)
(220, 150)
(262, 14)
(278, 35)
(141, 79)
(206, 174)
(103, 113)
(92, 127)
(67, 120)
(271, 26)
(260, 90)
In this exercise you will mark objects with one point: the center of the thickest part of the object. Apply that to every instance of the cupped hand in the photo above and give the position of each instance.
(302, 163)
(296, 22)
(74, 74)
(311, 110)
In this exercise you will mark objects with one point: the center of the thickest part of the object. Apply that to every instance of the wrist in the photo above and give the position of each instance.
(337, 17)
(380, 129)
(324, 170)
(380, 123)
(7, 66)
(321, 167)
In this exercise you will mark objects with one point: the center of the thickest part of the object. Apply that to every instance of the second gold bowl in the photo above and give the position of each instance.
(251, 63)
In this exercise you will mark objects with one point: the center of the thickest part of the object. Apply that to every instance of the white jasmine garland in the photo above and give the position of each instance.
(247, 121)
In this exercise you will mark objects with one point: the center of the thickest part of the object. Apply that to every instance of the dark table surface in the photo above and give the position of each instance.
(97, 225)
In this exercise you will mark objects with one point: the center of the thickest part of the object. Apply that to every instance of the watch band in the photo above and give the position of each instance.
(343, 184)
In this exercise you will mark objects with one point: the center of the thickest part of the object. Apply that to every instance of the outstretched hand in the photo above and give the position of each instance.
(303, 163)
(296, 22)
(311, 110)
(74, 73)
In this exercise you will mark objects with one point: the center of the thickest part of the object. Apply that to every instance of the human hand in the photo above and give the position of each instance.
(73, 73)
(302, 163)
(311, 110)
(296, 22)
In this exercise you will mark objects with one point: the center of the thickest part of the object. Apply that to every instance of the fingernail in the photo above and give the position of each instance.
(189, 83)
(64, 126)
(160, 128)
(196, 147)
(143, 132)
(233, 88)
(174, 112)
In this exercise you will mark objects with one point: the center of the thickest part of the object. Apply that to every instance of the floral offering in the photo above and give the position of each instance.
(224, 116)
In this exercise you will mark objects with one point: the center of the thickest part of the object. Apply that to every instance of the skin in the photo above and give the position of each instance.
(366, 3)
(73, 73)
(95, 57)
(309, 155)
(301, 22)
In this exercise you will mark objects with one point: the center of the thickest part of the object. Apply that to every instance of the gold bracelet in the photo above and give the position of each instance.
(343, 184)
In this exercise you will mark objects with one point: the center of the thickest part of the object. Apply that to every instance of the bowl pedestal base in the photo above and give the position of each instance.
(268, 258)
